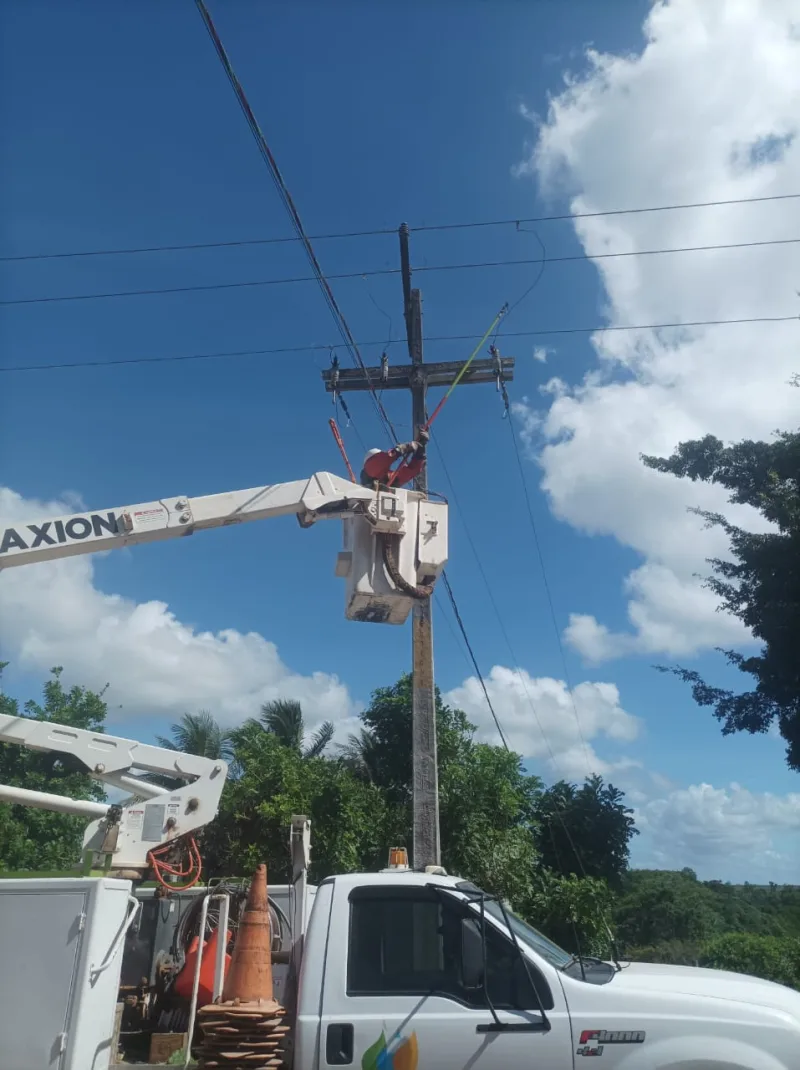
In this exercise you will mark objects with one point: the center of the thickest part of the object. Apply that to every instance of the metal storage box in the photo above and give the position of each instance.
(60, 958)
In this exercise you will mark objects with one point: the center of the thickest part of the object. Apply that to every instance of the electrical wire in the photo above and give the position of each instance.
(197, 288)
(495, 718)
(384, 231)
(288, 202)
(515, 661)
(473, 659)
(232, 354)
(163, 869)
(344, 329)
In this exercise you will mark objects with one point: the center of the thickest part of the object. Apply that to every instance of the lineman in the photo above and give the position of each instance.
(378, 463)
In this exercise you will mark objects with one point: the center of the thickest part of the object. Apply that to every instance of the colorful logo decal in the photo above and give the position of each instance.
(400, 1053)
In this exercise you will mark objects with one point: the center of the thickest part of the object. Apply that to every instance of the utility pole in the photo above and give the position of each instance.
(417, 377)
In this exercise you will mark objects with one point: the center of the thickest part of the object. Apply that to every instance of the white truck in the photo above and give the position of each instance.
(402, 970)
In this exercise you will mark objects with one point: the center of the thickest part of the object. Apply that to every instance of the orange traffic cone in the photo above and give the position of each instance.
(249, 977)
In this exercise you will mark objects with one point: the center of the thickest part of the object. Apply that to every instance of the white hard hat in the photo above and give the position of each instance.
(371, 453)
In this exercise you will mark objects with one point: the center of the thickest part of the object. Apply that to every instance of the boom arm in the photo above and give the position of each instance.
(385, 570)
(129, 830)
(171, 518)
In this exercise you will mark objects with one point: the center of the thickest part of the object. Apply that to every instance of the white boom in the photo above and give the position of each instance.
(125, 831)
(395, 540)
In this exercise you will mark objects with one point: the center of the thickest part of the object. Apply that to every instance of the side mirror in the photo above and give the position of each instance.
(472, 962)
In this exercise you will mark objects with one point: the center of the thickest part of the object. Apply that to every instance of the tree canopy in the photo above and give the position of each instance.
(199, 733)
(283, 718)
(759, 583)
(585, 831)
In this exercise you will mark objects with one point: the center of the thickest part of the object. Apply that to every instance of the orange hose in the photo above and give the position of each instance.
(160, 867)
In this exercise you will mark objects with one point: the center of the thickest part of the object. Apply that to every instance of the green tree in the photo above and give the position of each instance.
(486, 801)
(348, 815)
(658, 908)
(572, 911)
(33, 839)
(199, 733)
(770, 957)
(283, 718)
(759, 584)
(585, 831)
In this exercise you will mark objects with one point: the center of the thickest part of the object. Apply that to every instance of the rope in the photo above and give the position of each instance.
(463, 371)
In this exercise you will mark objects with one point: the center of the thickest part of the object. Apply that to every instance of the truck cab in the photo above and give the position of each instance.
(403, 970)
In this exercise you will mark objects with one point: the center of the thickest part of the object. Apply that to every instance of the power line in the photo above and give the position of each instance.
(473, 659)
(608, 256)
(516, 668)
(347, 337)
(608, 212)
(288, 202)
(495, 607)
(383, 231)
(199, 288)
(232, 354)
(344, 330)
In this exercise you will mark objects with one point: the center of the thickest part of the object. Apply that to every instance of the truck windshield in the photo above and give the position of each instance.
(525, 933)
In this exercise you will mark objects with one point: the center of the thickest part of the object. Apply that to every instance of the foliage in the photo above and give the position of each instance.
(486, 801)
(283, 718)
(572, 911)
(770, 957)
(585, 831)
(276, 781)
(672, 917)
(760, 583)
(658, 907)
(32, 840)
(199, 733)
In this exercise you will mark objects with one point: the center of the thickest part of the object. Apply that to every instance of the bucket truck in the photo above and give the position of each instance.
(396, 969)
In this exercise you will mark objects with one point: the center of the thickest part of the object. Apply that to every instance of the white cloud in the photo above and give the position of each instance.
(727, 833)
(541, 353)
(708, 111)
(722, 832)
(542, 720)
(53, 614)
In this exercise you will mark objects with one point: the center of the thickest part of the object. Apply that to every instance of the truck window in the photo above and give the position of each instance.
(410, 943)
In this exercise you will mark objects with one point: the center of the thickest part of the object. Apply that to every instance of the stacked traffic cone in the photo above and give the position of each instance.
(246, 1030)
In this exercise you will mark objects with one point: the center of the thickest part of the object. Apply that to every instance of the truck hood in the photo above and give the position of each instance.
(713, 984)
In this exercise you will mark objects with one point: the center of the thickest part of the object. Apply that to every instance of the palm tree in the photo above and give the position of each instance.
(283, 718)
(359, 754)
(199, 733)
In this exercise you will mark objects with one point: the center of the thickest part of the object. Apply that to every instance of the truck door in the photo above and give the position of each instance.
(401, 992)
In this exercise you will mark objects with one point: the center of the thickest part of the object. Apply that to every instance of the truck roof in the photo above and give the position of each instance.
(393, 876)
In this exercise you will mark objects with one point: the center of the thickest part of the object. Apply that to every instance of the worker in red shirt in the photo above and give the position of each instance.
(378, 463)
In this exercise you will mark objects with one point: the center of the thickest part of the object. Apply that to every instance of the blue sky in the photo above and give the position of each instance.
(120, 130)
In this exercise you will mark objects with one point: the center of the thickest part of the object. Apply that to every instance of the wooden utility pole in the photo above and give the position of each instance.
(418, 377)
